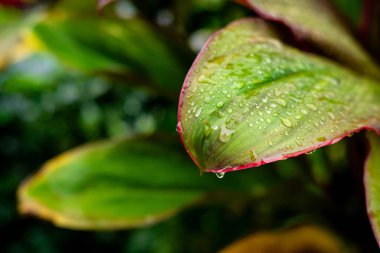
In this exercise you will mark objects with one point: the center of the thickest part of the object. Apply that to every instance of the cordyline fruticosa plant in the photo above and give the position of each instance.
(251, 97)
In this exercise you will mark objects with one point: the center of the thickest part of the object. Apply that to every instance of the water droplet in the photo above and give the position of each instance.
(250, 124)
(225, 134)
(297, 117)
(331, 115)
(220, 174)
(304, 112)
(311, 107)
(252, 156)
(280, 101)
(264, 99)
(299, 143)
(198, 112)
(310, 152)
(220, 104)
(220, 114)
(286, 122)
(229, 110)
(270, 142)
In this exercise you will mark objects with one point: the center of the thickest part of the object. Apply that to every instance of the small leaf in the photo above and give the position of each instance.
(314, 22)
(249, 100)
(123, 184)
(303, 239)
(372, 184)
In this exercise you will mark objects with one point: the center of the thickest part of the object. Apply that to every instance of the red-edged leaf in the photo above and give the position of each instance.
(249, 100)
(314, 22)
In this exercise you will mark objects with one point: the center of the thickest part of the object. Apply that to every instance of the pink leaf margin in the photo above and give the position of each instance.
(258, 163)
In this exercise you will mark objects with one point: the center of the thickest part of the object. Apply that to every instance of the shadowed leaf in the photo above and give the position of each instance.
(111, 45)
(249, 100)
(305, 239)
(372, 184)
(314, 22)
(123, 184)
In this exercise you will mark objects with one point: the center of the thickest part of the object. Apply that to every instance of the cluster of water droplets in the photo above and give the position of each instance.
(266, 97)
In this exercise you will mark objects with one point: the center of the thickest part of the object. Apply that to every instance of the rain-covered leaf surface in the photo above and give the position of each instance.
(372, 184)
(315, 22)
(249, 100)
(122, 184)
(297, 240)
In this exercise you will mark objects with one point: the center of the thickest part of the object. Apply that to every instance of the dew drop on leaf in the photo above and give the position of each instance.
(220, 104)
(219, 174)
(286, 122)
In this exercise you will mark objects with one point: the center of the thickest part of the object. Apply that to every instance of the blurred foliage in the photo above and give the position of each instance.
(74, 76)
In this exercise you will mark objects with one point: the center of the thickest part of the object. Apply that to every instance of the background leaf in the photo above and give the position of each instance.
(301, 239)
(372, 184)
(122, 184)
(314, 22)
(249, 100)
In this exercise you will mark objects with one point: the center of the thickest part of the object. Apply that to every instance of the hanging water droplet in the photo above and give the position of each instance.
(220, 174)
(286, 122)
(310, 152)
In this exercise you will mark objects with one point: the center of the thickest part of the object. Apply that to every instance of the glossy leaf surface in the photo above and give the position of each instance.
(372, 184)
(122, 184)
(315, 22)
(249, 100)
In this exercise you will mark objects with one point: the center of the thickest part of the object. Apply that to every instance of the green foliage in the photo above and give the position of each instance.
(250, 100)
(70, 75)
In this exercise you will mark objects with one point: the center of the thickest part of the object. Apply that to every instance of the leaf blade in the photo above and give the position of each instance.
(244, 106)
(314, 21)
(122, 184)
(371, 184)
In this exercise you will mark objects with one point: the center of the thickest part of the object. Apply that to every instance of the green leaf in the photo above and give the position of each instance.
(111, 45)
(249, 100)
(372, 184)
(123, 184)
(314, 22)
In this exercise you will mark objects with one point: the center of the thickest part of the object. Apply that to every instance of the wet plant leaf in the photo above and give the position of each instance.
(372, 184)
(249, 100)
(314, 22)
(123, 184)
